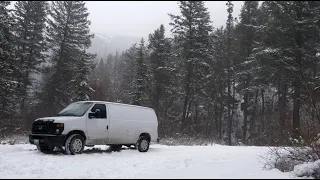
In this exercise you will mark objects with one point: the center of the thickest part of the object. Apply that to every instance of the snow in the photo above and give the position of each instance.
(217, 161)
(306, 169)
(269, 50)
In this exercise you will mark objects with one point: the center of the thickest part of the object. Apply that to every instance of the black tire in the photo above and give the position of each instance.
(45, 148)
(115, 147)
(74, 144)
(143, 144)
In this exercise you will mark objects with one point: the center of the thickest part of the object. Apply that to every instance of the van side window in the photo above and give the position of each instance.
(102, 108)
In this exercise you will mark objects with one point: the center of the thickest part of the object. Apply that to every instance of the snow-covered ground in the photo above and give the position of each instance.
(24, 161)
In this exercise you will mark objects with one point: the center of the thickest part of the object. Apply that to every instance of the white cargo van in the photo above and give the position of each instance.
(89, 123)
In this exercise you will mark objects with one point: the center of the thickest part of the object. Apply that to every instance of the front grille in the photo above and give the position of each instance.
(42, 127)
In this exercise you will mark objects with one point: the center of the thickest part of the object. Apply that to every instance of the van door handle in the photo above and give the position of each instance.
(107, 127)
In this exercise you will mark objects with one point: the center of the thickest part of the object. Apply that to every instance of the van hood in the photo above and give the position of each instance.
(59, 118)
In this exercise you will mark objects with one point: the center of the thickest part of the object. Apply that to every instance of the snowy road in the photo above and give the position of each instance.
(24, 161)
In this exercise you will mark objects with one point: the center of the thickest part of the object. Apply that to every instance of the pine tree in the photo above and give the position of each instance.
(217, 84)
(161, 63)
(115, 78)
(107, 78)
(230, 67)
(126, 72)
(8, 63)
(288, 52)
(97, 82)
(139, 93)
(84, 67)
(191, 30)
(160, 47)
(246, 32)
(68, 37)
(29, 29)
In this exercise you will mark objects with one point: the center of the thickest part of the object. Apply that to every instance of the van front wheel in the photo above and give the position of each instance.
(143, 144)
(74, 144)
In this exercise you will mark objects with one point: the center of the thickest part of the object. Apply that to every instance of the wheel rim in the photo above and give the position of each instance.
(144, 145)
(77, 145)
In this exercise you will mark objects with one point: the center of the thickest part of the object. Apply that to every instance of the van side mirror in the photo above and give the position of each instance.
(95, 114)
(91, 115)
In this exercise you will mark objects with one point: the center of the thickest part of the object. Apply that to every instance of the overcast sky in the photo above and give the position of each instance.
(139, 18)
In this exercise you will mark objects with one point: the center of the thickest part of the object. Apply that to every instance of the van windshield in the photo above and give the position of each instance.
(75, 109)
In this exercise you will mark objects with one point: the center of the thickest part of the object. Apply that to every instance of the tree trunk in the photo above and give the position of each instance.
(296, 109)
(156, 100)
(184, 112)
(207, 123)
(263, 123)
(229, 110)
(188, 121)
(233, 97)
(220, 115)
(282, 104)
(296, 102)
(216, 118)
(245, 117)
(4, 104)
(187, 97)
(195, 121)
(24, 93)
(254, 114)
(297, 81)
(25, 83)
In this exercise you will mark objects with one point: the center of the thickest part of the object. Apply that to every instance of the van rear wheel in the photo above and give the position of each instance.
(143, 144)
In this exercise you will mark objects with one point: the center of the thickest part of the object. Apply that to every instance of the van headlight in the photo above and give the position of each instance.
(59, 127)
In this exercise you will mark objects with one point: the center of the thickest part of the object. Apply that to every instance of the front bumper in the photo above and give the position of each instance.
(47, 139)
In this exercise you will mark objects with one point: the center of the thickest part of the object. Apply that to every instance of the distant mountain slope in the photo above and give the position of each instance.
(103, 45)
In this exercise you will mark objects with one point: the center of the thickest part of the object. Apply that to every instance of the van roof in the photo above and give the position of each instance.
(117, 104)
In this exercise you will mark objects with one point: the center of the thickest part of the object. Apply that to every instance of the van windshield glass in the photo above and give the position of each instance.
(75, 109)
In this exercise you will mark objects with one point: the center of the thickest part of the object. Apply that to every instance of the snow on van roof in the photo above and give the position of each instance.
(107, 102)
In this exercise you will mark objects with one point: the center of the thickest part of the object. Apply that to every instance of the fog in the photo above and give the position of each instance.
(139, 18)
(119, 24)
